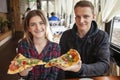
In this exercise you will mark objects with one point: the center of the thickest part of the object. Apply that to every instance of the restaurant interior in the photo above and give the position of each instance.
(13, 11)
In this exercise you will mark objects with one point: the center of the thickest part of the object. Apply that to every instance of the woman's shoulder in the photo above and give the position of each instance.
(54, 46)
(52, 43)
(23, 41)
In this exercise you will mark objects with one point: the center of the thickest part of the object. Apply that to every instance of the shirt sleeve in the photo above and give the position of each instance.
(101, 66)
(23, 47)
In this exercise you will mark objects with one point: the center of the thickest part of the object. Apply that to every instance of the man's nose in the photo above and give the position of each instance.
(81, 20)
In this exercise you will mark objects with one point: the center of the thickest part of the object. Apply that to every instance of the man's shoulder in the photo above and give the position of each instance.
(102, 33)
(67, 33)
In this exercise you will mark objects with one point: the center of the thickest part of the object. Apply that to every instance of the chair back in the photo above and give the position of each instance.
(54, 23)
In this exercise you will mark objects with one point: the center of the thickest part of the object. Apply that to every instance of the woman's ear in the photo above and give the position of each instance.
(29, 29)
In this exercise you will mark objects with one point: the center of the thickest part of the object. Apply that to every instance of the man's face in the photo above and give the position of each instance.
(84, 17)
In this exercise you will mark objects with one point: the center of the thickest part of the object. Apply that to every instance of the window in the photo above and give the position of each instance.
(48, 5)
(116, 31)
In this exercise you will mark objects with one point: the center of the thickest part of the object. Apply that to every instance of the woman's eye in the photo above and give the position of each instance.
(41, 23)
(32, 24)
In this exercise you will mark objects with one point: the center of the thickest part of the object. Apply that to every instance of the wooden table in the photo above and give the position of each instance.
(100, 78)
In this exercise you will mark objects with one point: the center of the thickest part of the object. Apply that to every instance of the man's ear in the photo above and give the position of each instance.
(94, 16)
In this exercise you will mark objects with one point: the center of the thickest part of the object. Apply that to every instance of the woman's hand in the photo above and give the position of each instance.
(26, 71)
(75, 68)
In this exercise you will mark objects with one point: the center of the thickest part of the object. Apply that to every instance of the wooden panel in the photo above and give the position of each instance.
(15, 14)
(3, 15)
(4, 35)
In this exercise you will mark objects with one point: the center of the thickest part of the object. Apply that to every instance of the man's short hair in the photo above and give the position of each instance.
(85, 4)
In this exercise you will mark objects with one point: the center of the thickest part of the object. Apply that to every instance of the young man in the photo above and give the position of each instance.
(91, 43)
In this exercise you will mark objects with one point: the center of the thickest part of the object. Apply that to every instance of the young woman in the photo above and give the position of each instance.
(37, 43)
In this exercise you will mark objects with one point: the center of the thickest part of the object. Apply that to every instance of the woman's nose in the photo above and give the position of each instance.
(38, 26)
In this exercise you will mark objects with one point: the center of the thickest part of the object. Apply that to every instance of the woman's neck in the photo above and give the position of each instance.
(40, 44)
(39, 41)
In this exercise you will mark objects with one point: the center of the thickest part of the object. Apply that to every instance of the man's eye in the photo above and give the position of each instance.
(86, 16)
(77, 17)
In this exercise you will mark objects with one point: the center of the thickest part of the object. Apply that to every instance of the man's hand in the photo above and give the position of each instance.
(75, 68)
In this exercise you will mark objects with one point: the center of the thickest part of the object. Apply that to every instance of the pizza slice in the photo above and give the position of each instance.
(20, 62)
(66, 60)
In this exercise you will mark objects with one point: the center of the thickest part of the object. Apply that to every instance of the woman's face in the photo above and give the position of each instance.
(37, 27)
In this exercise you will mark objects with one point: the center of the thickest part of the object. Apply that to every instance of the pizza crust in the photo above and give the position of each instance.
(16, 71)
